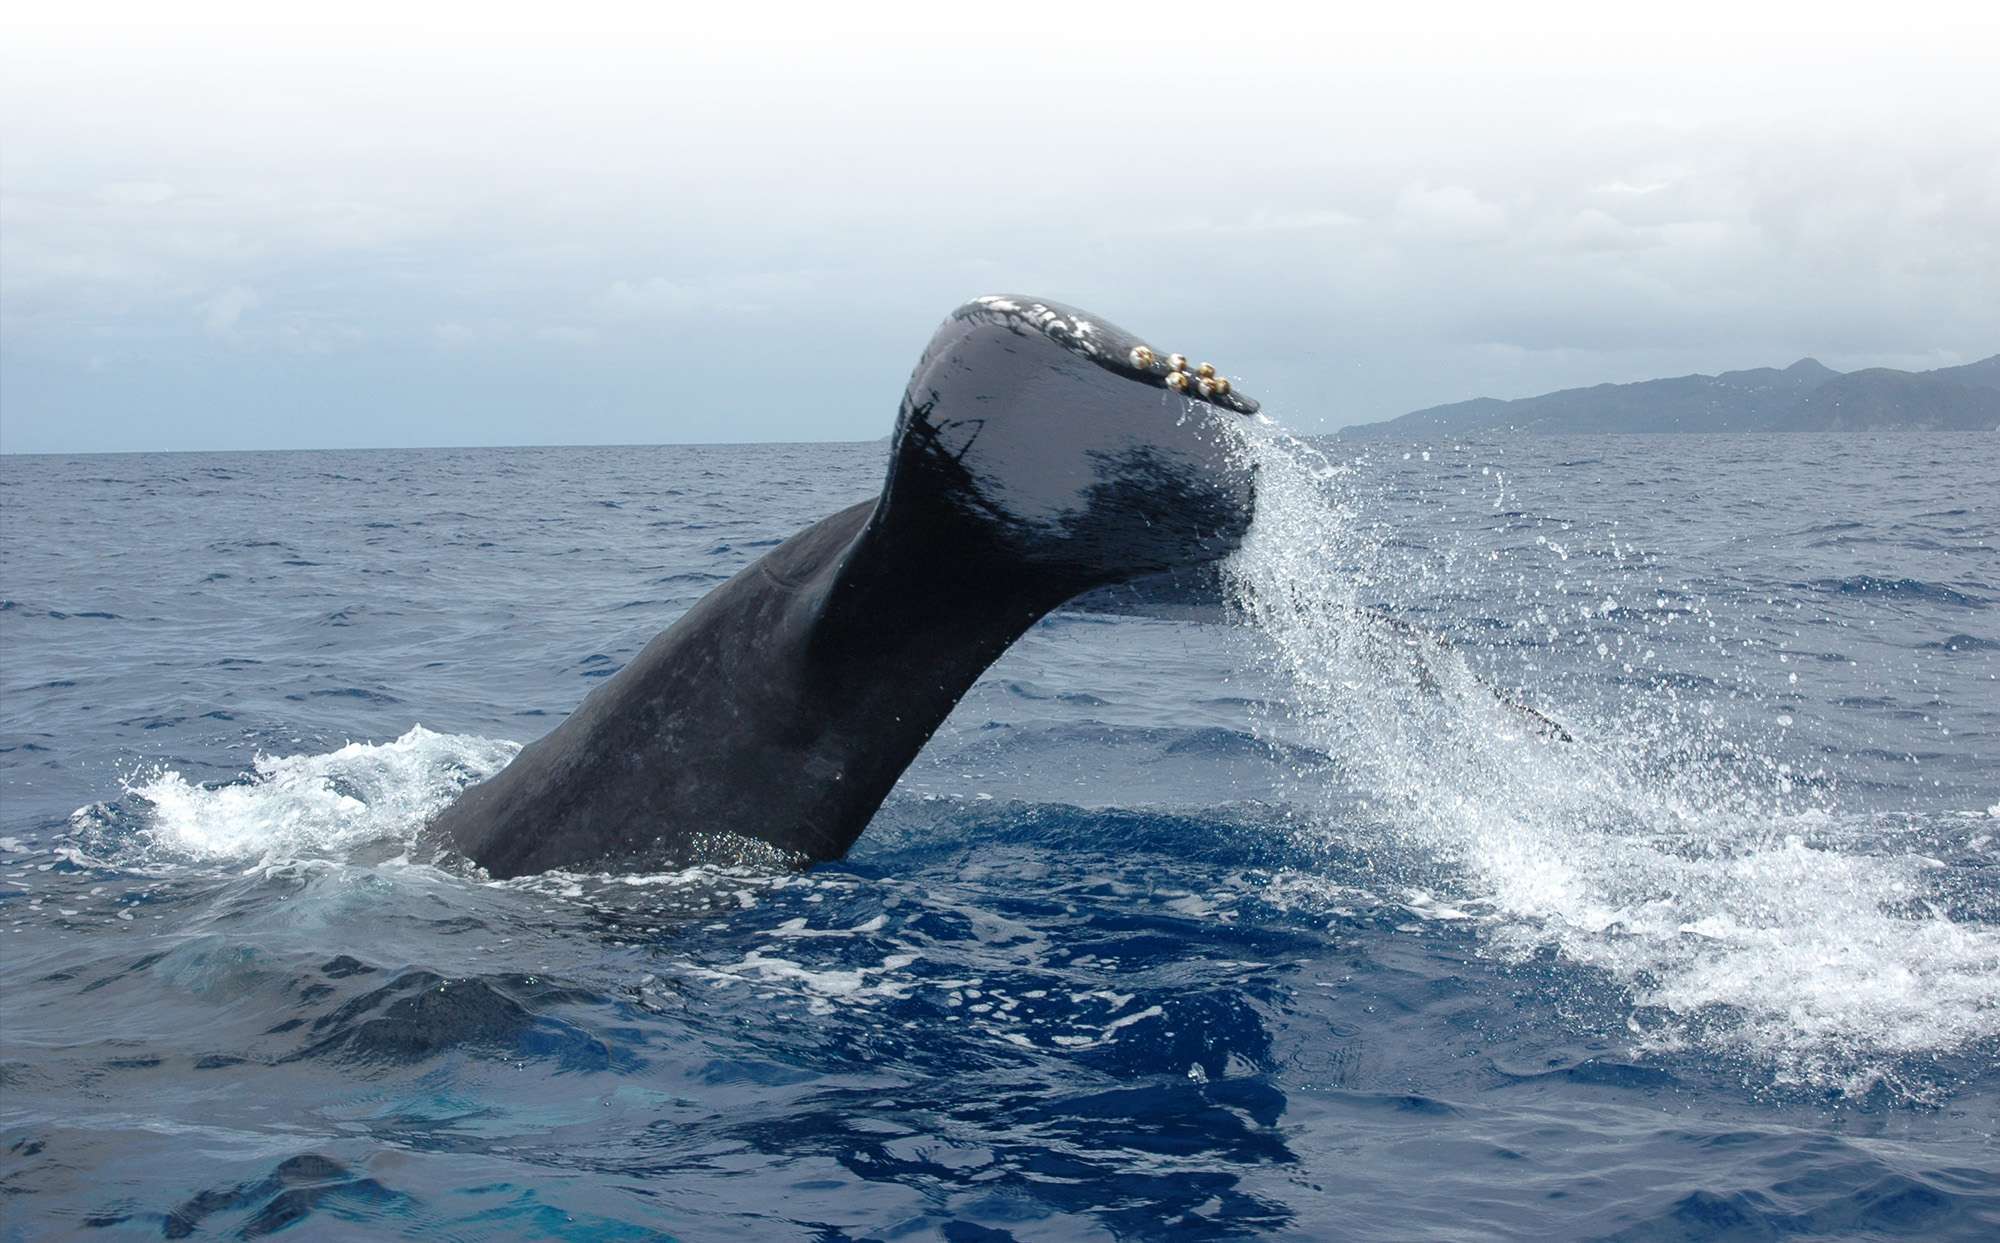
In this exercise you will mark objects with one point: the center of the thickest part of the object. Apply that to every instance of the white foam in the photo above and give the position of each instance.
(305, 806)
(1737, 910)
(822, 989)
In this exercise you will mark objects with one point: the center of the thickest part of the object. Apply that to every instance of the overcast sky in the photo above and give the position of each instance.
(490, 228)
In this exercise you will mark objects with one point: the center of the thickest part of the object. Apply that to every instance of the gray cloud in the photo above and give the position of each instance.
(751, 238)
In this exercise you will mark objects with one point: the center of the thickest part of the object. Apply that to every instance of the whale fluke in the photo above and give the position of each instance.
(1040, 452)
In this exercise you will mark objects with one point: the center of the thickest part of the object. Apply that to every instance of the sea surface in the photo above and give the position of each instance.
(1527, 839)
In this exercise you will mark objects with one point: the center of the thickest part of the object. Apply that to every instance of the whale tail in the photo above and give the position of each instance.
(1060, 445)
(1038, 453)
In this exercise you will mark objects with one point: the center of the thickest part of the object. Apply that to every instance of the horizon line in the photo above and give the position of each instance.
(609, 444)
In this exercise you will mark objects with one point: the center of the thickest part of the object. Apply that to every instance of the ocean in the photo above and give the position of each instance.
(1588, 838)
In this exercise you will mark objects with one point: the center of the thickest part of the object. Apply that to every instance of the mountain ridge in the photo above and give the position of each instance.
(1805, 396)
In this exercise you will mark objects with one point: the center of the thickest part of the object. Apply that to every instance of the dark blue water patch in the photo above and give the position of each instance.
(913, 833)
(1900, 589)
(1002, 743)
(1028, 690)
(1596, 1072)
(419, 1015)
(292, 1193)
(348, 692)
(1862, 1200)
(1831, 528)
(1961, 643)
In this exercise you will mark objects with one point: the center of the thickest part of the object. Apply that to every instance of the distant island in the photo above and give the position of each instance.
(1804, 397)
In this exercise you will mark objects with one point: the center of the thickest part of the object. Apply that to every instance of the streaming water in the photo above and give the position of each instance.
(1668, 840)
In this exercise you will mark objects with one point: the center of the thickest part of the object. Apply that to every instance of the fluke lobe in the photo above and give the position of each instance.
(1040, 452)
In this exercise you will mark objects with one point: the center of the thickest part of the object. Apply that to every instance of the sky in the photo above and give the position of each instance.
(404, 224)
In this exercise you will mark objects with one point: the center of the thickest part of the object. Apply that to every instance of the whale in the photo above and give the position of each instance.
(1039, 453)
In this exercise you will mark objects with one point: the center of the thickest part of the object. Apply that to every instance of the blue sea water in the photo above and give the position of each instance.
(1204, 915)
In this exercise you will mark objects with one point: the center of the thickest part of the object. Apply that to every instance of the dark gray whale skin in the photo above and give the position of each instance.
(1035, 457)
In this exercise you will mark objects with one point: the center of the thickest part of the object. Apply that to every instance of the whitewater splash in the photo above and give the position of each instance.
(304, 806)
(1731, 897)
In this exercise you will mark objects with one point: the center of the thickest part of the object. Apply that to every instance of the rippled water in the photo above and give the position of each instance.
(1194, 920)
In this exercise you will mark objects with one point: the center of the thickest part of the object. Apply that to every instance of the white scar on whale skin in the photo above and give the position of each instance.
(1082, 336)
(1075, 330)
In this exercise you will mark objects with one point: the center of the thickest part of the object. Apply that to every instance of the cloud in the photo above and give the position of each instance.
(655, 295)
(1364, 227)
(1258, 220)
(226, 317)
(222, 314)
(136, 193)
(1593, 230)
(733, 294)
(1449, 214)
